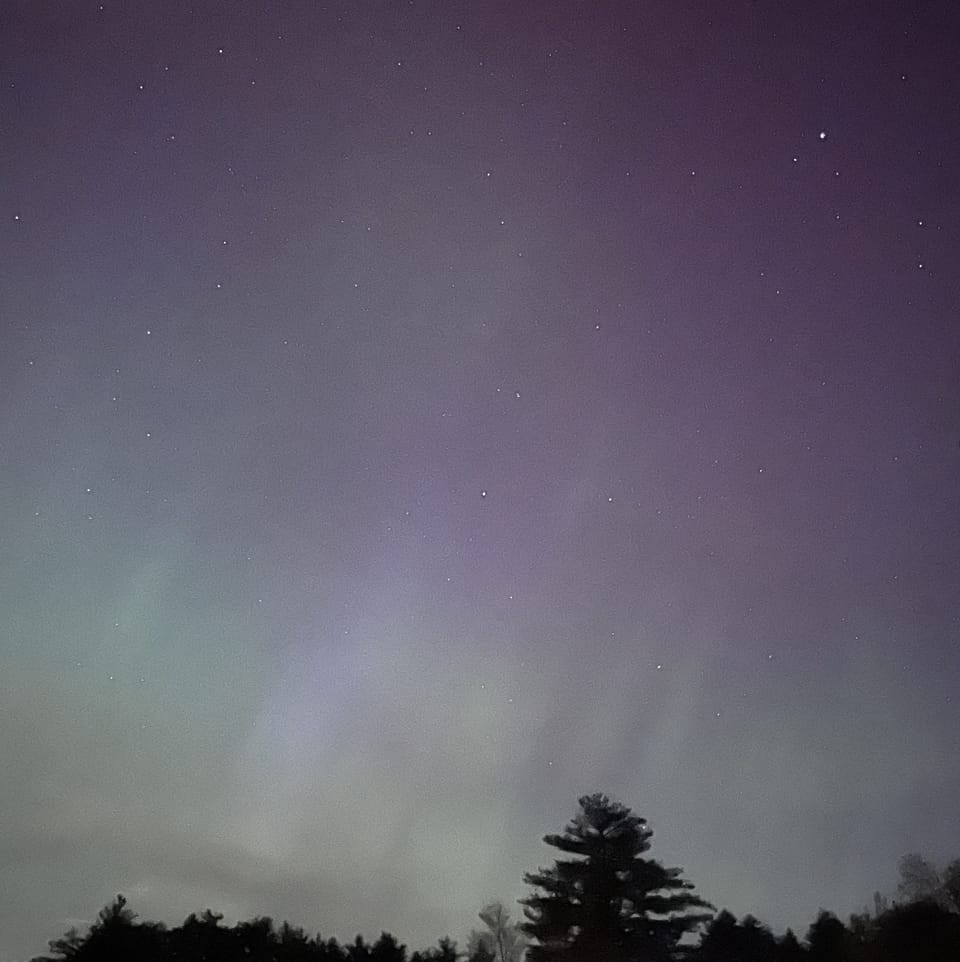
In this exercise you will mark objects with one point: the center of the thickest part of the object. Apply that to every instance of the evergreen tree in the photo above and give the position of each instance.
(256, 939)
(727, 940)
(719, 942)
(828, 939)
(358, 951)
(116, 936)
(608, 904)
(445, 951)
(789, 948)
(388, 949)
(920, 932)
(294, 945)
(203, 937)
(68, 946)
(756, 940)
(330, 950)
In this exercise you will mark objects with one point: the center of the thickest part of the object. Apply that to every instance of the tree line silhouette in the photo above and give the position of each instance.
(603, 901)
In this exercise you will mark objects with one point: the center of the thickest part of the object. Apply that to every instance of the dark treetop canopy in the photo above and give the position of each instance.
(608, 902)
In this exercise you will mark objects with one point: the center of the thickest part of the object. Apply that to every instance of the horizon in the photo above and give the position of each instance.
(516, 912)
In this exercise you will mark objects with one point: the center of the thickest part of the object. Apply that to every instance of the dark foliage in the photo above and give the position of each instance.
(609, 902)
(920, 932)
(727, 940)
(117, 936)
(605, 904)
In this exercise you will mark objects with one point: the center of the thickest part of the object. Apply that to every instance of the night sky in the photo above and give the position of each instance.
(415, 415)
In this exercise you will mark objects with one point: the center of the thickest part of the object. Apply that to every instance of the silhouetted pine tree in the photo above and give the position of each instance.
(294, 945)
(919, 932)
(388, 949)
(727, 940)
(256, 939)
(608, 903)
(116, 936)
(202, 937)
(445, 951)
(828, 939)
(789, 948)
